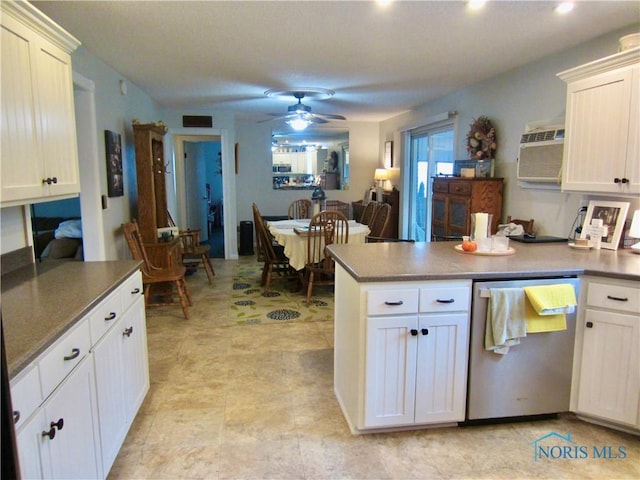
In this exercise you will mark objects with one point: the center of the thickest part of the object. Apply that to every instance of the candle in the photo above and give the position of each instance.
(481, 224)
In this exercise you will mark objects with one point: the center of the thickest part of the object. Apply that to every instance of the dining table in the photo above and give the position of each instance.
(292, 235)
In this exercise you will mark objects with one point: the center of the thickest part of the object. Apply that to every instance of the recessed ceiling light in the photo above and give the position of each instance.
(564, 7)
(476, 4)
(384, 3)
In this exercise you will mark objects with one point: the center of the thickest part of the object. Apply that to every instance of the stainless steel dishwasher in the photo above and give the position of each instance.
(534, 378)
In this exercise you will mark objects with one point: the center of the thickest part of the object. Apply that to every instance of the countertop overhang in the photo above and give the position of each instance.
(42, 301)
(402, 261)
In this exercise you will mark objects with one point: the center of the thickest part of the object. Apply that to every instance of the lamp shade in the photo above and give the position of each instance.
(381, 174)
(634, 230)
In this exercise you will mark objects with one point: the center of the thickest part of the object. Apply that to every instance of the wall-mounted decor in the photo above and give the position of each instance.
(481, 139)
(613, 216)
(388, 154)
(115, 179)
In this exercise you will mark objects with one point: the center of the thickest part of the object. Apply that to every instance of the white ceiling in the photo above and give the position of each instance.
(380, 61)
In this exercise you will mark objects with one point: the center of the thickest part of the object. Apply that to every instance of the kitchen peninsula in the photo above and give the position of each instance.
(384, 380)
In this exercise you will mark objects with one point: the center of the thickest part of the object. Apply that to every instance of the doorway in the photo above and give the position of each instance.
(188, 197)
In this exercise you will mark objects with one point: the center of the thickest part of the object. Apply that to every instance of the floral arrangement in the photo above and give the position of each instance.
(481, 139)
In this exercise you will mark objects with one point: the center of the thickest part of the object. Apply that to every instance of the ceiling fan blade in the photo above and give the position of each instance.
(331, 116)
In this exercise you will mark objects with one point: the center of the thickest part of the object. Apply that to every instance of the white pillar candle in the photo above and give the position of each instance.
(481, 223)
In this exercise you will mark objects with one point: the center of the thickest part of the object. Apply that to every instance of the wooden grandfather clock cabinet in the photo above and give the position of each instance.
(152, 192)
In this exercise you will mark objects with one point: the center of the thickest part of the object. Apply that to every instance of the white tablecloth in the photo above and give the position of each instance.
(295, 246)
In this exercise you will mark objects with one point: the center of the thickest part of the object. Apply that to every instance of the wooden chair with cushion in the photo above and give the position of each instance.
(194, 254)
(325, 228)
(527, 225)
(166, 278)
(300, 208)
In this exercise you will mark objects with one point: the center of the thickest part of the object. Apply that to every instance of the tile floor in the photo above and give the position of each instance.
(253, 402)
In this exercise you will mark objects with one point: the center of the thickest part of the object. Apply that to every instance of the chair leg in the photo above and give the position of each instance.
(183, 282)
(206, 261)
(310, 288)
(147, 296)
(183, 301)
(268, 280)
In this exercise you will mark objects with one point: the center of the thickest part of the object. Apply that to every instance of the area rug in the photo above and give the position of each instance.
(281, 305)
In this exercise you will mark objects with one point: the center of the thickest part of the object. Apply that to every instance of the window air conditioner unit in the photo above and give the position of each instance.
(540, 158)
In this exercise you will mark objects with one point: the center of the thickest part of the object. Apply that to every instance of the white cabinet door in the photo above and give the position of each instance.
(602, 142)
(390, 371)
(30, 443)
(110, 389)
(135, 357)
(22, 167)
(610, 366)
(39, 151)
(69, 450)
(441, 368)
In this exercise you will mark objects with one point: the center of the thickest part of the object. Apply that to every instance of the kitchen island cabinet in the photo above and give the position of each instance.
(602, 125)
(606, 385)
(367, 345)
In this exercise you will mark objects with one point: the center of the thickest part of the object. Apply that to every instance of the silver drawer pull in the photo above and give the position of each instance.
(618, 299)
(75, 353)
(449, 300)
(397, 303)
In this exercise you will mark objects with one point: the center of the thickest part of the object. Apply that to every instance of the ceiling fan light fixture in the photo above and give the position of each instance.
(298, 123)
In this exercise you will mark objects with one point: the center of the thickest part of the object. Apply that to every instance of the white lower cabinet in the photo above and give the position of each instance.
(607, 355)
(122, 378)
(61, 439)
(88, 387)
(401, 352)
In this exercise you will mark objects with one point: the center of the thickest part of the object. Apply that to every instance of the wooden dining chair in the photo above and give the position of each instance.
(325, 228)
(527, 225)
(379, 225)
(275, 261)
(300, 208)
(368, 212)
(194, 254)
(166, 278)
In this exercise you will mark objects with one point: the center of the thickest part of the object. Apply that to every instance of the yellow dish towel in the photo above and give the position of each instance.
(547, 305)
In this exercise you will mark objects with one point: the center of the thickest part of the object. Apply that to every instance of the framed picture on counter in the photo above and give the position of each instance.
(613, 216)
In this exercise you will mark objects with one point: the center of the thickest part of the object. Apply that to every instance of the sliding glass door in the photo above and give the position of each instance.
(431, 153)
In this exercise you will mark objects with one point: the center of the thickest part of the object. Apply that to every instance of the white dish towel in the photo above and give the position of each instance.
(506, 319)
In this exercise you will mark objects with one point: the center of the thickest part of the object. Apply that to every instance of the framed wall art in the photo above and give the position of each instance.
(388, 154)
(115, 178)
(613, 216)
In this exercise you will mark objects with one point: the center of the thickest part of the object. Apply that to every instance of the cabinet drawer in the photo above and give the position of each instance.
(25, 396)
(392, 301)
(441, 187)
(445, 299)
(66, 353)
(131, 290)
(460, 188)
(105, 315)
(616, 297)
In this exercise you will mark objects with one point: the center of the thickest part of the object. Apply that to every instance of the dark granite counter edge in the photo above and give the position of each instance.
(16, 365)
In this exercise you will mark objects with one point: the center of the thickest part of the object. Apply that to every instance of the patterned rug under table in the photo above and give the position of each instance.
(249, 306)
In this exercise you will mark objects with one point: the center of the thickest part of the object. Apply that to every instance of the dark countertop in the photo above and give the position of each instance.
(42, 301)
(392, 262)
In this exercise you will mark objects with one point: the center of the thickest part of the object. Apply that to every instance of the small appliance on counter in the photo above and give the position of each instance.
(533, 238)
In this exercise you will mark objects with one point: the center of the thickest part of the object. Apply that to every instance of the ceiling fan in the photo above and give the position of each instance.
(299, 116)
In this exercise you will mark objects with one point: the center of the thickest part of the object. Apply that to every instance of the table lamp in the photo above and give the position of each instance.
(380, 176)
(634, 231)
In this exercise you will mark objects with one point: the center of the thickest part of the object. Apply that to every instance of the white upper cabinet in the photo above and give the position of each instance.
(39, 156)
(602, 144)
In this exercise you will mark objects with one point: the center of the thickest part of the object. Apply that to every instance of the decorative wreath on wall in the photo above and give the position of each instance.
(481, 139)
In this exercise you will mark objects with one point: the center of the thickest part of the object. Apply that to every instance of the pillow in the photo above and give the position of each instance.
(69, 229)
(61, 248)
